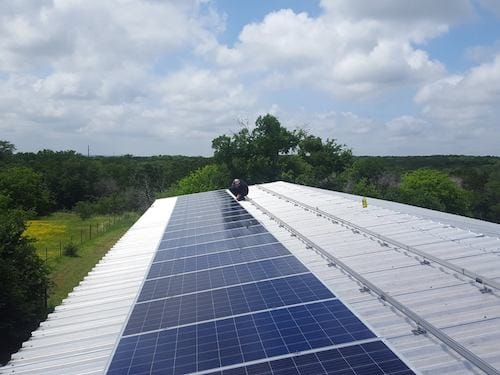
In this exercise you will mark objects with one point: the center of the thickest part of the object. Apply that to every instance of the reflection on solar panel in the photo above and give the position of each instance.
(224, 297)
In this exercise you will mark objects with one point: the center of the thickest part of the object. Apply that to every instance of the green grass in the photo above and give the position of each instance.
(52, 232)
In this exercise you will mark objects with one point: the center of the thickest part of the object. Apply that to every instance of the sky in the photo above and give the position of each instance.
(150, 77)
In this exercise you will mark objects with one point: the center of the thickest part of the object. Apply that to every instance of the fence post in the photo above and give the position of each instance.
(46, 255)
(90, 231)
(81, 236)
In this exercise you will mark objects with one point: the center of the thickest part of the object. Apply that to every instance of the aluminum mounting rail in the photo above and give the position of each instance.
(423, 326)
(486, 282)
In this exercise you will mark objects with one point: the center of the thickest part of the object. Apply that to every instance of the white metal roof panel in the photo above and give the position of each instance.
(450, 301)
(79, 336)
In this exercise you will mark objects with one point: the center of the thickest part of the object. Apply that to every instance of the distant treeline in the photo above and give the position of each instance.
(48, 181)
(464, 185)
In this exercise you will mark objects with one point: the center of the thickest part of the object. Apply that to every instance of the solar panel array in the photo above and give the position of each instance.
(223, 296)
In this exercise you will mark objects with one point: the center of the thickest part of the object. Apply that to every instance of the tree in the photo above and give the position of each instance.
(270, 152)
(327, 159)
(492, 196)
(434, 189)
(210, 177)
(23, 282)
(255, 155)
(6, 149)
(25, 188)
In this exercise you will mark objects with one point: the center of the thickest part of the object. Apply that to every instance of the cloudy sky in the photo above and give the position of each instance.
(146, 77)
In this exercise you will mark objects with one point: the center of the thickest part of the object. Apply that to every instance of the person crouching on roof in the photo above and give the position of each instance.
(239, 188)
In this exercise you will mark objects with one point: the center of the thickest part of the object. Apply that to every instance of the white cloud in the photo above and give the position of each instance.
(341, 52)
(407, 126)
(463, 102)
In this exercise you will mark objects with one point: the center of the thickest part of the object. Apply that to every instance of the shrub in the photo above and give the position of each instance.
(71, 250)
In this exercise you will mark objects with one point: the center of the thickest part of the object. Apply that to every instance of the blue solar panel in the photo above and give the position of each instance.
(206, 216)
(191, 308)
(373, 358)
(210, 237)
(213, 209)
(220, 294)
(219, 259)
(197, 231)
(220, 277)
(206, 222)
(240, 339)
(215, 246)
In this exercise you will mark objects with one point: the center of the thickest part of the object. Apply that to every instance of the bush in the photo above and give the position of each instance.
(71, 250)
(207, 178)
(84, 209)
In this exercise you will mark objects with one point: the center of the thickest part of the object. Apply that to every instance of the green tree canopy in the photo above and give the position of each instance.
(207, 178)
(6, 149)
(23, 282)
(25, 189)
(270, 151)
(434, 189)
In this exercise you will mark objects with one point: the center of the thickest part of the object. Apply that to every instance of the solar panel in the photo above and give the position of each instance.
(187, 231)
(210, 237)
(202, 223)
(243, 242)
(213, 260)
(236, 300)
(220, 277)
(373, 358)
(223, 296)
(246, 338)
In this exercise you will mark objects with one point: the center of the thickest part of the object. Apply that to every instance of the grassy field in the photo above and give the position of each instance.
(94, 236)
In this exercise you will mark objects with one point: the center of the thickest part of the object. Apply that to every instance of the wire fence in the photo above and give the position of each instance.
(77, 237)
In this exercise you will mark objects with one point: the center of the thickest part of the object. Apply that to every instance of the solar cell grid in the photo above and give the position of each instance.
(217, 205)
(202, 223)
(206, 216)
(373, 358)
(245, 338)
(205, 210)
(219, 259)
(191, 308)
(214, 246)
(210, 237)
(220, 277)
(213, 228)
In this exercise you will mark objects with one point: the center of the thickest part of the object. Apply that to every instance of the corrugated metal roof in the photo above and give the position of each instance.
(450, 301)
(79, 337)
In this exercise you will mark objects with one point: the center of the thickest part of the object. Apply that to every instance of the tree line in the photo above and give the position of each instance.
(463, 185)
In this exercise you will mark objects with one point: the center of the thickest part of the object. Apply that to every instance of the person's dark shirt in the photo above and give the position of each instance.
(241, 189)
